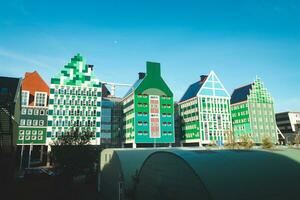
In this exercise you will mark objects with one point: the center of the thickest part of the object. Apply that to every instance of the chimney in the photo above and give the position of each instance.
(91, 66)
(141, 75)
(203, 78)
(153, 69)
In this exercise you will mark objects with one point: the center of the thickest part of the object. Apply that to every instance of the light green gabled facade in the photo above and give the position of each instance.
(253, 114)
(148, 110)
(75, 100)
(205, 112)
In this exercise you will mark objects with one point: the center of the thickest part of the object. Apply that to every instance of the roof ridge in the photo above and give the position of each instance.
(244, 86)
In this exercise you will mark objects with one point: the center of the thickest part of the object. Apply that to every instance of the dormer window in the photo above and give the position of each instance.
(40, 99)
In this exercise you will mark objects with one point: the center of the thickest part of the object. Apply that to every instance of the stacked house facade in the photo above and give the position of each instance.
(75, 101)
(33, 123)
(204, 112)
(149, 110)
(253, 113)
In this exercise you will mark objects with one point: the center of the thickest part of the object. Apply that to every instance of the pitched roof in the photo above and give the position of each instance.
(9, 87)
(135, 85)
(240, 94)
(34, 82)
(192, 90)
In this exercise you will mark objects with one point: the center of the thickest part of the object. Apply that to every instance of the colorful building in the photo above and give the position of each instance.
(253, 112)
(33, 123)
(149, 111)
(204, 110)
(75, 101)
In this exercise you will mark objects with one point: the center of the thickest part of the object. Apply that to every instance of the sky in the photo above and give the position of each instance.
(238, 40)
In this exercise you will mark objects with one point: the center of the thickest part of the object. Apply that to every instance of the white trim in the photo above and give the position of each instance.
(27, 100)
(46, 96)
(32, 126)
(212, 73)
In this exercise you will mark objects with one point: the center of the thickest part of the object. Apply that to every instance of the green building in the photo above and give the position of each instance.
(148, 110)
(33, 123)
(204, 112)
(253, 112)
(75, 101)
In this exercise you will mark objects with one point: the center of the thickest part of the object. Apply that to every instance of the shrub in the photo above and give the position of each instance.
(267, 142)
(246, 142)
(297, 139)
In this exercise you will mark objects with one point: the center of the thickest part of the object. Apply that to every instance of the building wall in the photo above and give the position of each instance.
(34, 104)
(160, 116)
(149, 110)
(240, 119)
(128, 111)
(75, 101)
(111, 122)
(255, 117)
(33, 125)
(206, 118)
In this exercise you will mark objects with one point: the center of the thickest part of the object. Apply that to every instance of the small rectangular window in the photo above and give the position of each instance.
(29, 111)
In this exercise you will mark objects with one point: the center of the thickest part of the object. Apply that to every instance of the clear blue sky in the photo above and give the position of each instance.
(237, 39)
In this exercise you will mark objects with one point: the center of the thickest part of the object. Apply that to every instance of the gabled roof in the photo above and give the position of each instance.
(240, 94)
(208, 85)
(34, 82)
(192, 91)
(77, 73)
(151, 82)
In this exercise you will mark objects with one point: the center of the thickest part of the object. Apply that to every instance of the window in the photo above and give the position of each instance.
(23, 111)
(35, 122)
(41, 122)
(29, 111)
(22, 122)
(29, 122)
(25, 98)
(36, 112)
(40, 98)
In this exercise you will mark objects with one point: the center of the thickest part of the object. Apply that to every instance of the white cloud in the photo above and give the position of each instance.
(15, 56)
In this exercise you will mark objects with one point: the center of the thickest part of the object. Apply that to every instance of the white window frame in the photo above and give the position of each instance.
(35, 122)
(35, 112)
(27, 100)
(31, 111)
(23, 122)
(41, 124)
(35, 96)
(23, 112)
(27, 122)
